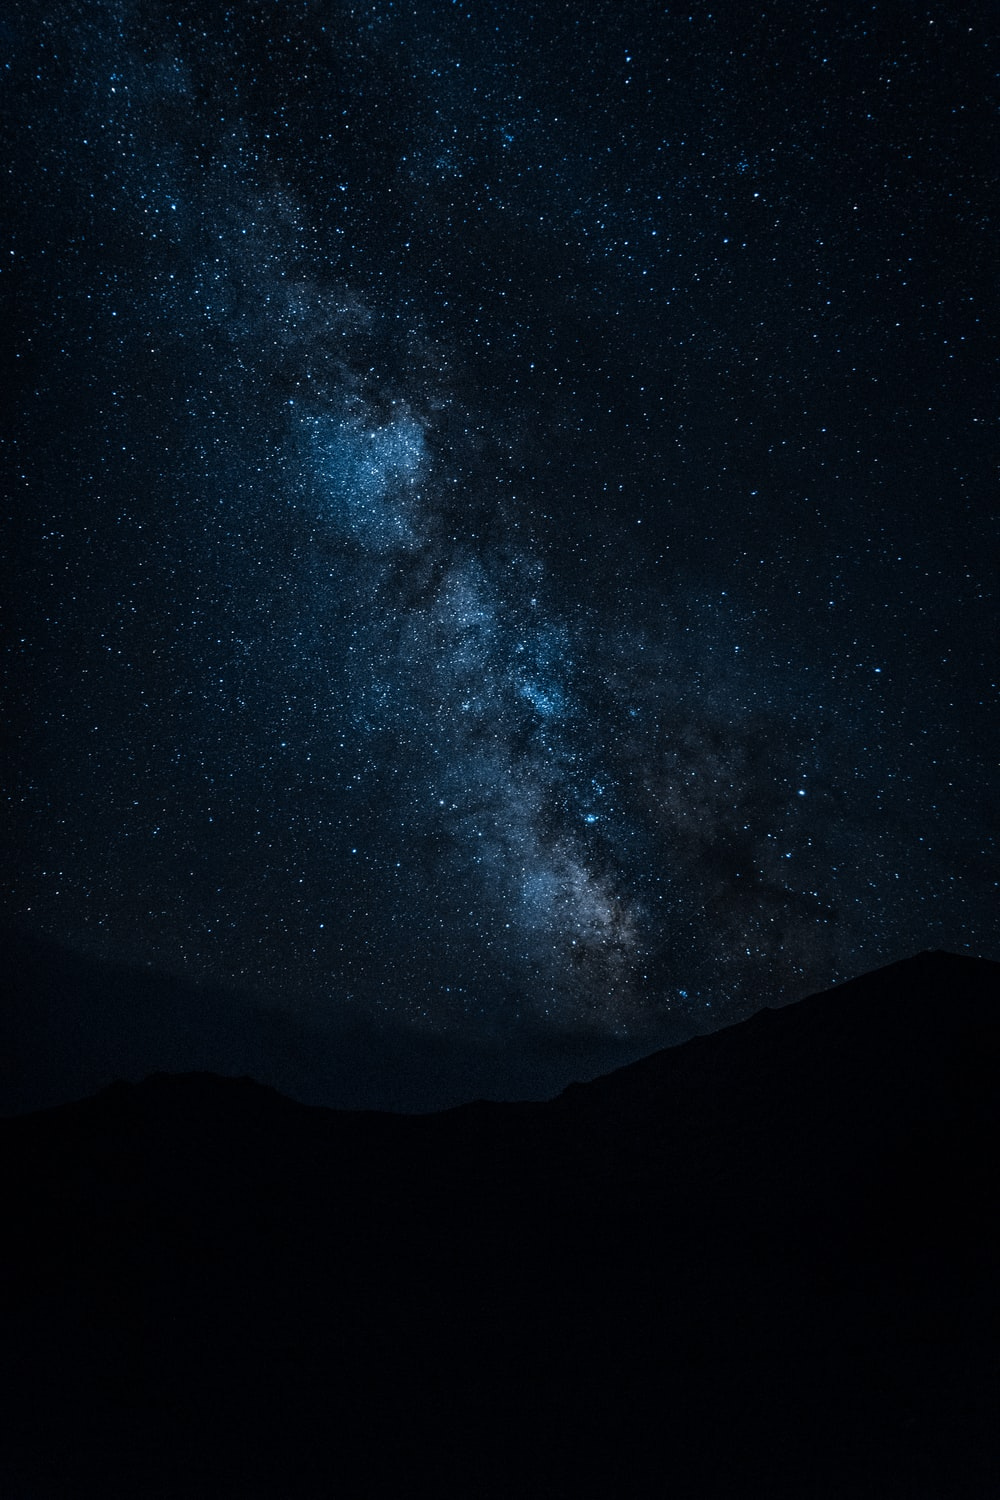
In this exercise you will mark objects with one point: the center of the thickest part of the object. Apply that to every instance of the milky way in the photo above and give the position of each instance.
(467, 667)
(500, 506)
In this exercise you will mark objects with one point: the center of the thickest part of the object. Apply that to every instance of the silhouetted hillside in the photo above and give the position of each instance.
(72, 1023)
(762, 1263)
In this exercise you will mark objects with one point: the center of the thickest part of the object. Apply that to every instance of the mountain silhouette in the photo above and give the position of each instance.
(72, 1023)
(762, 1263)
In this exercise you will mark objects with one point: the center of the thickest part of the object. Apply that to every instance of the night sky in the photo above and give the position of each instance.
(502, 505)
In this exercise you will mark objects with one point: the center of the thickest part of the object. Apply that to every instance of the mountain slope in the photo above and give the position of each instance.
(760, 1263)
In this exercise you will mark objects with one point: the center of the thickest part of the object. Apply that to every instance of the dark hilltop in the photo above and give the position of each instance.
(762, 1263)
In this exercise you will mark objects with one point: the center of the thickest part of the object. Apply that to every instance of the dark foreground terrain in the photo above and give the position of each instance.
(760, 1264)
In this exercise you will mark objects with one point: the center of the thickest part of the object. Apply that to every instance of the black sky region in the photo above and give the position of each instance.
(501, 504)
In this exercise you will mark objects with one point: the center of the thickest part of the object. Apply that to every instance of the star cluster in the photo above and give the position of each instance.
(501, 502)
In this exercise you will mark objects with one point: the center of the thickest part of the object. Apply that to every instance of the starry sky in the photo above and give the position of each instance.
(501, 505)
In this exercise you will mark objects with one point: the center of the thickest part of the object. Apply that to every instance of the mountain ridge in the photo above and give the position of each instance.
(771, 1248)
